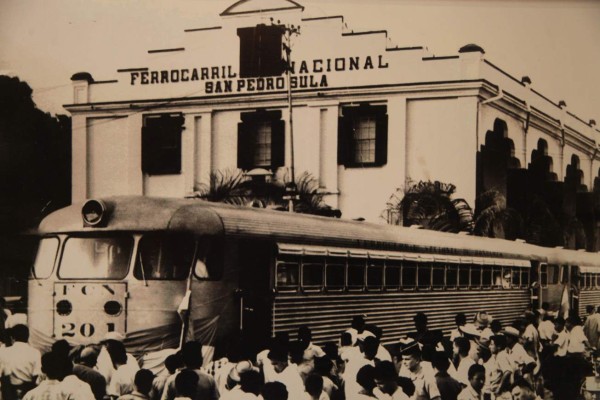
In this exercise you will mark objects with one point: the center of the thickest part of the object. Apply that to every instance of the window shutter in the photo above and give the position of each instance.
(245, 148)
(381, 139)
(277, 144)
(170, 160)
(248, 51)
(270, 50)
(344, 132)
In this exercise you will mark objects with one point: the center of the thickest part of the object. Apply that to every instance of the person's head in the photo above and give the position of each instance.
(375, 330)
(369, 347)
(250, 381)
(531, 317)
(117, 353)
(496, 326)
(386, 377)
(411, 358)
(521, 390)
(19, 333)
(186, 383)
(559, 324)
(476, 377)
(366, 378)
(52, 365)
(420, 320)
(323, 365)
(462, 346)
(304, 334)
(512, 336)
(358, 323)
(497, 344)
(297, 348)
(278, 355)
(192, 354)
(481, 319)
(314, 385)
(174, 362)
(62, 347)
(589, 309)
(572, 321)
(460, 319)
(483, 352)
(440, 361)
(274, 391)
(88, 356)
(143, 381)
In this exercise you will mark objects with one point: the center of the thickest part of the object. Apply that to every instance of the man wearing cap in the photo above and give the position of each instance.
(284, 372)
(423, 378)
(517, 356)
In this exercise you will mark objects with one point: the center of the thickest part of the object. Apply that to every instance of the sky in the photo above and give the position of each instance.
(554, 42)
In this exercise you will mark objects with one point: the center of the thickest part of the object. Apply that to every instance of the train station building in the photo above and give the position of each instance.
(368, 117)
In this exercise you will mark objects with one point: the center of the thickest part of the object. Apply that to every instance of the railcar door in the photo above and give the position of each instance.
(553, 277)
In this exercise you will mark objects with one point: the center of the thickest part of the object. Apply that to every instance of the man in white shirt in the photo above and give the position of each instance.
(286, 373)
(49, 388)
(357, 360)
(386, 379)
(423, 379)
(122, 381)
(20, 364)
(591, 328)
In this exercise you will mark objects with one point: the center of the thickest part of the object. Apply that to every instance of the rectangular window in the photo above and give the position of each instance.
(375, 275)
(475, 276)
(464, 276)
(525, 278)
(96, 257)
(261, 51)
(392, 277)
(261, 140)
(516, 279)
(438, 277)
(553, 274)
(544, 275)
(45, 258)
(287, 276)
(486, 276)
(409, 275)
(161, 144)
(166, 257)
(362, 137)
(424, 280)
(312, 275)
(334, 275)
(451, 276)
(356, 275)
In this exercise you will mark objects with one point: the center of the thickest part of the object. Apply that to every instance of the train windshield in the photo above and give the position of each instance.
(164, 257)
(96, 257)
(46, 255)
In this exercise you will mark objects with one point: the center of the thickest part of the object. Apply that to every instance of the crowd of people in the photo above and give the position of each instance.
(538, 356)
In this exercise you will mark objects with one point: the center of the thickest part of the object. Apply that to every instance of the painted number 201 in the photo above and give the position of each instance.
(86, 329)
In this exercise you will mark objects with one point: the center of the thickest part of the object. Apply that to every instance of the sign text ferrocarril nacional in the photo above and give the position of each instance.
(223, 79)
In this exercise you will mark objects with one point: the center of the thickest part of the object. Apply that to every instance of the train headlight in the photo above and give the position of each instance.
(64, 307)
(113, 308)
(94, 213)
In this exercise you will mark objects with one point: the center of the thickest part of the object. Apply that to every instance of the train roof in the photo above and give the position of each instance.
(140, 213)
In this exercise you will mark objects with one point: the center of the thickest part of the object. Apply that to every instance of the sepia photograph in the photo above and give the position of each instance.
(303, 200)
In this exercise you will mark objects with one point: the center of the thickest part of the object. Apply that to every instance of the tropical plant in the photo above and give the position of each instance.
(430, 205)
(494, 219)
(233, 186)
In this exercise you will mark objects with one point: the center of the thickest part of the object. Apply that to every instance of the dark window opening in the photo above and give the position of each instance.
(261, 140)
(438, 277)
(392, 277)
(463, 277)
(409, 276)
(312, 275)
(486, 277)
(287, 276)
(356, 275)
(161, 144)
(424, 279)
(261, 51)
(375, 275)
(363, 136)
(334, 276)
(475, 276)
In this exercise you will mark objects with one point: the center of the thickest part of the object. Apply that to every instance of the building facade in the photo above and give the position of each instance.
(367, 117)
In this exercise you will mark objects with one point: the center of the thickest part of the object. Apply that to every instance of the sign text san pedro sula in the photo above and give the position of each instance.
(222, 79)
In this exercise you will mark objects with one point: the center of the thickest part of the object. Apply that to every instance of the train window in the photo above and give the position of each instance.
(516, 278)
(45, 258)
(287, 276)
(334, 275)
(375, 275)
(564, 274)
(312, 276)
(409, 275)
(356, 275)
(451, 276)
(168, 257)
(486, 276)
(497, 278)
(96, 257)
(544, 275)
(464, 276)
(553, 274)
(475, 276)
(438, 277)
(525, 278)
(424, 276)
(392, 277)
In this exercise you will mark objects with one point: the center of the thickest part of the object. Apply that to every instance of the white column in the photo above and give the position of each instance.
(79, 165)
(328, 139)
(202, 155)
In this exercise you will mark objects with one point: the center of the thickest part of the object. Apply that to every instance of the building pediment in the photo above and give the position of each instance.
(244, 7)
